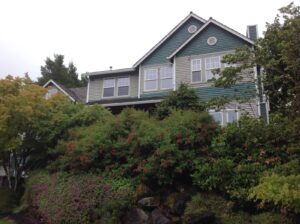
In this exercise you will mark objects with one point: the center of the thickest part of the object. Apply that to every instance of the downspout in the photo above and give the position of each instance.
(174, 73)
(88, 89)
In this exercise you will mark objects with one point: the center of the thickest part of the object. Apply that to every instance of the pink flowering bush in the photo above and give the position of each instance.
(61, 198)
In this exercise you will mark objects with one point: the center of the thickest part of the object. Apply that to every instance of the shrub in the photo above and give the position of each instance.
(8, 200)
(214, 174)
(283, 191)
(61, 198)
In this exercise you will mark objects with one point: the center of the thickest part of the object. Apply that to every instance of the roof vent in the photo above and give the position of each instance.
(192, 28)
(110, 67)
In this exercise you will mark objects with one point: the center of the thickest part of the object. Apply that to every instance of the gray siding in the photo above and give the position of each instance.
(183, 69)
(96, 87)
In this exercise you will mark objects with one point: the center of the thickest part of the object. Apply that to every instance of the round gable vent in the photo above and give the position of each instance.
(192, 28)
(212, 40)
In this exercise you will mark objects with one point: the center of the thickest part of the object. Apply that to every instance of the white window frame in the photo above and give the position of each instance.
(108, 87)
(237, 115)
(122, 77)
(210, 69)
(145, 80)
(171, 77)
(192, 70)
(222, 115)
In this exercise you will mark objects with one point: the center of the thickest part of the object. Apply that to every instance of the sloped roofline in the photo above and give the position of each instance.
(211, 21)
(167, 36)
(122, 70)
(59, 87)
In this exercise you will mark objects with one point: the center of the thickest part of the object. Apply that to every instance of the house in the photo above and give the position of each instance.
(74, 94)
(187, 54)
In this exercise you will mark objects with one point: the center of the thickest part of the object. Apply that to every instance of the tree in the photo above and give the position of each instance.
(56, 70)
(24, 114)
(184, 98)
(278, 52)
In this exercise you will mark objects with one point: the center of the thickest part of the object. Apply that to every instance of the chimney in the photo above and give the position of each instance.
(252, 32)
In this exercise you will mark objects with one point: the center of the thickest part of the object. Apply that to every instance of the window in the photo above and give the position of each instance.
(196, 70)
(123, 86)
(211, 64)
(166, 79)
(51, 92)
(108, 87)
(150, 82)
(217, 116)
(232, 116)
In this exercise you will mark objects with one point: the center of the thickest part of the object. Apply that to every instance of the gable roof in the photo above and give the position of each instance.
(167, 36)
(215, 22)
(75, 94)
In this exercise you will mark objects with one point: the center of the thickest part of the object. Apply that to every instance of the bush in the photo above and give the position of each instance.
(283, 191)
(8, 200)
(61, 198)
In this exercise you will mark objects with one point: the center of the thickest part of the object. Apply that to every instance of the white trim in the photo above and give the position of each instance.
(167, 36)
(203, 27)
(139, 82)
(61, 89)
(174, 74)
(160, 77)
(191, 64)
(131, 103)
(88, 90)
(149, 90)
(108, 87)
(117, 80)
(210, 69)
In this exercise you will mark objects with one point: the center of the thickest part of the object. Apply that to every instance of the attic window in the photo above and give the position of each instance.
(192, 28)
(212, 41)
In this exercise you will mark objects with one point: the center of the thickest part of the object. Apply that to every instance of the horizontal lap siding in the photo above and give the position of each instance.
(96, 87)
(172, 43)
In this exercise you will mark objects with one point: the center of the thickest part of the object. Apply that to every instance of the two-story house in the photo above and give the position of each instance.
(187, 54)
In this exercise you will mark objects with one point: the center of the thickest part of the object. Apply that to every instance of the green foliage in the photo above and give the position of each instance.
(184, 98)
(64, 198)
(8, 200)
(283, 191)
(56, 70)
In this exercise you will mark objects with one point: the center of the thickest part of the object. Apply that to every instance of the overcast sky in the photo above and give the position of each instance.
(98, 34)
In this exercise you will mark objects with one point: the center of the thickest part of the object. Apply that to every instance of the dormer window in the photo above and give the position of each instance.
(108, 87)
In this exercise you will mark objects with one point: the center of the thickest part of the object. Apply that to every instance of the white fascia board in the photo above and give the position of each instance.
(61, 89)
(167, 36)
(203, 27)
(130, 103)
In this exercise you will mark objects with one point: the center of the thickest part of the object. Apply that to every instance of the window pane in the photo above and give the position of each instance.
(196, 65)
(108, 83)
(151, 85)
(150, 74)
(166, 84)
(217, 116)
(107, 92)
(166, 72)
(123, 81)
(196, 76)
(123, 91)
(210, 75)
(232, 116)
(211, 63)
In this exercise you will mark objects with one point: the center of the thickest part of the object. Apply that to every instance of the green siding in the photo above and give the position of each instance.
(242, 90)
(172, 43)
(225, 41)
